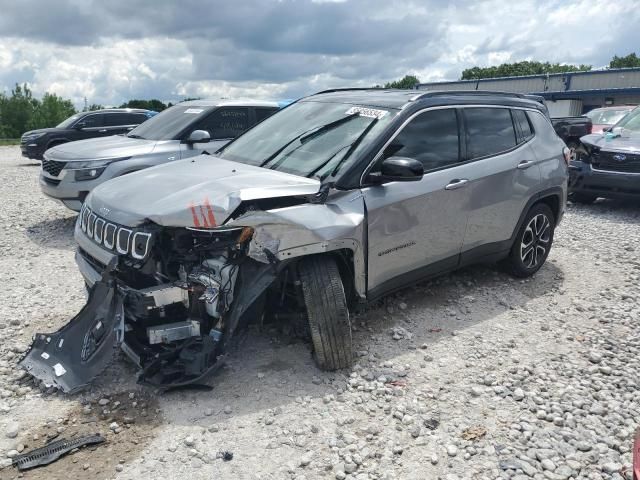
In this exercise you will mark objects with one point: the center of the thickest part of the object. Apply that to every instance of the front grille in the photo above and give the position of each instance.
(616, 162)
(121, 240)
(52, 167)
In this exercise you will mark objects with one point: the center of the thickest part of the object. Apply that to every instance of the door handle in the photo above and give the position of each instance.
(104, 130)
(523, 165)
(457, 183)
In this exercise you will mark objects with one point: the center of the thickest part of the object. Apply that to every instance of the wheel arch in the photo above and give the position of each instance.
(551, 197)
(350, 272)
(54, 142)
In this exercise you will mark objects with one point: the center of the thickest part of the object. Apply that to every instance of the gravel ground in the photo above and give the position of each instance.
(475, 375)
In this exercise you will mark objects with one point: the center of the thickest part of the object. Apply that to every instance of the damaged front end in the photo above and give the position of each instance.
(166, 298)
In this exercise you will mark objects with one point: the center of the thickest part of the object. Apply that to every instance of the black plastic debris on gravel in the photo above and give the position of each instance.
(53, 451)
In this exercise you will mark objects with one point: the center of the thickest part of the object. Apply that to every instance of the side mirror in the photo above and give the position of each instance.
(607, 129)
(198, 136)
(398, 169)
(80, 125)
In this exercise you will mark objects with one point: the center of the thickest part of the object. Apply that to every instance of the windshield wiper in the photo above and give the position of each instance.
(308, 134)
(323, 164)
(133, 135)
(354, 145)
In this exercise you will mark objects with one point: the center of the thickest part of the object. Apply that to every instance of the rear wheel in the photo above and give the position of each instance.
(533, 242)
(327, 312)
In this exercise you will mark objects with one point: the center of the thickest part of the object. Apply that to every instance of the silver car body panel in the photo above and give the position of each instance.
(130, 154)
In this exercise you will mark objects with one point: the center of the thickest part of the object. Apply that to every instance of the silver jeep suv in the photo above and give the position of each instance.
(338, 199)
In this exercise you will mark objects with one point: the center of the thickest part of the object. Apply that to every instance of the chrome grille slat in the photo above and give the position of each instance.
(112, 236)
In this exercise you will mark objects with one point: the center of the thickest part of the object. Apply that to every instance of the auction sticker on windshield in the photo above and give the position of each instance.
(193, 110)
(367, 112)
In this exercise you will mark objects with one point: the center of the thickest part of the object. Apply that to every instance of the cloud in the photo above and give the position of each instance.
(116, 50)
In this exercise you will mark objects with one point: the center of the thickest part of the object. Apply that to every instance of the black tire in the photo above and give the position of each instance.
(327, 312)
(583, 198)
(533, 242)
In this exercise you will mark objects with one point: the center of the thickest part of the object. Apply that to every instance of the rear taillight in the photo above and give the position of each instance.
(589, 128)
(567, 153)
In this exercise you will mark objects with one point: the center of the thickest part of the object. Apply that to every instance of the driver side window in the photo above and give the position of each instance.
(431, 137)
(226, 122)
(91, 121)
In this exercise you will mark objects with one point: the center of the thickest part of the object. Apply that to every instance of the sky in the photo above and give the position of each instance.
(109, 51)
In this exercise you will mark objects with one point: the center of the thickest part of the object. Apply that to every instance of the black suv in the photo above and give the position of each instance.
(608, 165)
(97, 123)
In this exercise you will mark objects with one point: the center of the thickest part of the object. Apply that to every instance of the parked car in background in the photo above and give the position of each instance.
(338, 199)
(570, 129)
(71, 171)
(609, 166)
(607, 116)
(96, 123)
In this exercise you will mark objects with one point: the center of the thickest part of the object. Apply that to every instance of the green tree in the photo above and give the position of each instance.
(519, 69)
(50, 111)
(153, 104)
(16, 111)
(631, 60)
(408, 82)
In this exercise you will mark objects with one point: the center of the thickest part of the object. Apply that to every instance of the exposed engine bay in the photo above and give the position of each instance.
(169, 306)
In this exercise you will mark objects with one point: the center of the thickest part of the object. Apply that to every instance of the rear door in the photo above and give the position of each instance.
(505, 176)
(417, 228)
(119, 122)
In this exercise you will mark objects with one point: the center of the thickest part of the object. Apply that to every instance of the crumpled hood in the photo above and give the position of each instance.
(115, 146)
(201, 192)
(624, 143)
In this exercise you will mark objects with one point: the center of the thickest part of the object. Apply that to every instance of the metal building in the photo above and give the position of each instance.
(566, 93)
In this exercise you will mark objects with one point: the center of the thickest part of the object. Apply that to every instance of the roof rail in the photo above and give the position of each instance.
(440, 93)
(346, 89)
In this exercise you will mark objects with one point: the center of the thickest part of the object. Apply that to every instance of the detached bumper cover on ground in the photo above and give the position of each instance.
(74, 355)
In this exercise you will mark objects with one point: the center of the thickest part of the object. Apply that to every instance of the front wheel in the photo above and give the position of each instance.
(327, 312)
(533, 242)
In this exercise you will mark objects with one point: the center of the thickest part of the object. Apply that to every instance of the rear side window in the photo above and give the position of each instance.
(523, 125)
(226, 122)
(117, 119)
(262, 113)
(431, 137)
(489, 131)
(137, 118)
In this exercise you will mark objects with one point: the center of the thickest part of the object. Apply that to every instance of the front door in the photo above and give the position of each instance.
(417, 228)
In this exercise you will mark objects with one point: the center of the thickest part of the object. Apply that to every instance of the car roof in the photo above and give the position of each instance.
(229, 103)
(393, 98)
(119, 110)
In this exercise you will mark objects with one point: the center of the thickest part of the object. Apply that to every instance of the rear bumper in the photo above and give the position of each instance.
(586, 180)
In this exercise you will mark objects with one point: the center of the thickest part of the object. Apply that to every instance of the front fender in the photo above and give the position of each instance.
(310, 229)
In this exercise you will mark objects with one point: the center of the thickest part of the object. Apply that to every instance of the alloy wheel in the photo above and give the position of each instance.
(535, 241)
